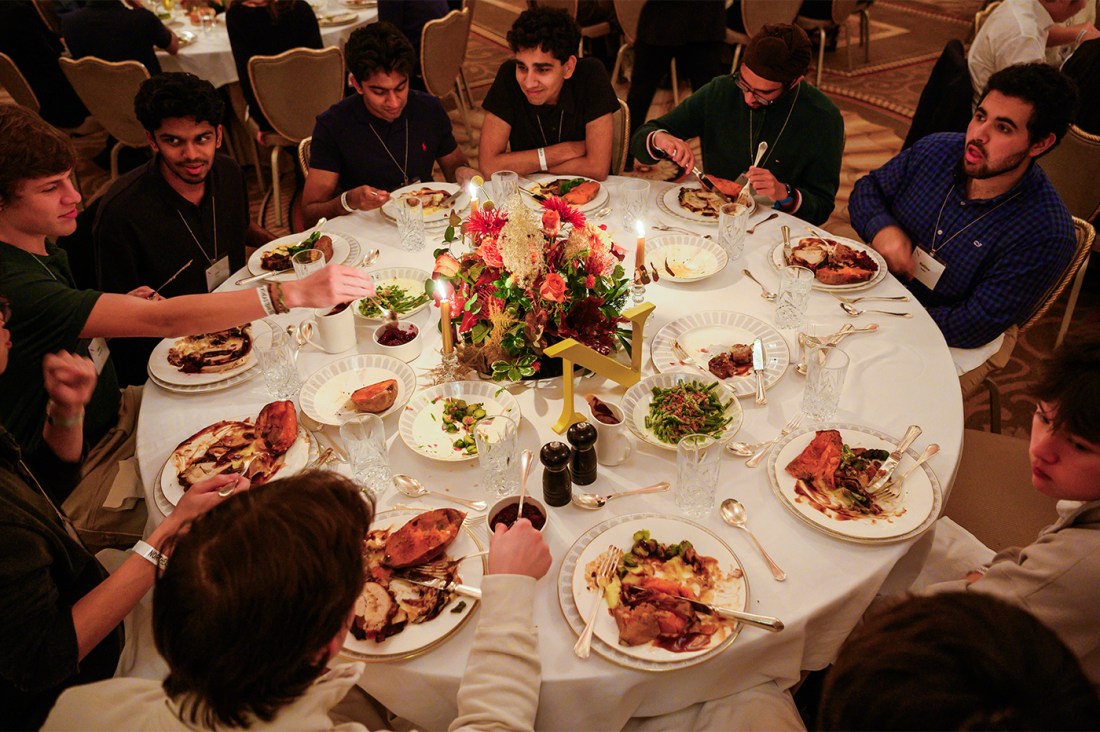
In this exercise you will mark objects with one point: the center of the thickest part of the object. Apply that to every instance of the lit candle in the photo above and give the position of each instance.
(445, 316)
(475, 182)
(639, 254)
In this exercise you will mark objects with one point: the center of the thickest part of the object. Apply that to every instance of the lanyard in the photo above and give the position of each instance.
(48, 270)
(214, 203)
(936, 231)
(561, 123)
(66, 522)
(404, 170)
(771, 149)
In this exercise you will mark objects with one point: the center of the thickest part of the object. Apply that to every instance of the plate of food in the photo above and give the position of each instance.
(664, 408)
(432, 195)
(275, 255)
(584, 194)
(438, 423)
(400, 289)
(821, 476)
(262, 448)
(203, 359)
(838, 264)
(665, 560)
(332, 20)
(684, 258)
(360, 3)
(721, 340)
(395, 618)
(368, 383)
(693, 203)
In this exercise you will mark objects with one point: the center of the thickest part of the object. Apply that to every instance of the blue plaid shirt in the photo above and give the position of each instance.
(999, 268)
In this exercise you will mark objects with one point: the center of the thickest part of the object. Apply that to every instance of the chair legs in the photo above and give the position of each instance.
(462, 108)
(675, 84)
(618, 67)
(466, 87)
(994, 405)
(114, 159)
(820, 54)
(865, 33)
(276, 191)
(1078, 279)
(736, 57)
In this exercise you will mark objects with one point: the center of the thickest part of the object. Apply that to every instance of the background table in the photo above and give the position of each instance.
(901, 375)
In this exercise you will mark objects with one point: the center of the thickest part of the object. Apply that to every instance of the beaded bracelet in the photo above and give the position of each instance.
(275, 290)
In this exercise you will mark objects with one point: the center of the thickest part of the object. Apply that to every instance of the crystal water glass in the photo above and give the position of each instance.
(826, 367)
(697, 466)
(505, 185)
(496, 439)
(272, 347)
(733, 219)
(307, 261)
(794, 295)
(410, 223)
(364, 438)
(635, 194)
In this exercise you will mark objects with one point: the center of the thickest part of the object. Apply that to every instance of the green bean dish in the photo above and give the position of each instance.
(686, 409)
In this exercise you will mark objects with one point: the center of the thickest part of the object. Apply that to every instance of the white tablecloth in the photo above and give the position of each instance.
(900, 375)
(211, 58)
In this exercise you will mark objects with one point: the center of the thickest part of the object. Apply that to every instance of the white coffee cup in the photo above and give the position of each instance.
(614, 442)
(329, 331)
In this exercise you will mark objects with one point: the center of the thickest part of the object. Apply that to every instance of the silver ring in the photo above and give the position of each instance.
(227, 492)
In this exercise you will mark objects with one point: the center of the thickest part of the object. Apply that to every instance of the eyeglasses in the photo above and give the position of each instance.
(5, 311)
(764, 101)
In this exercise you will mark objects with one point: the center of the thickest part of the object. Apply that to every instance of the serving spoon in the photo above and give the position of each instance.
(413, 488)
(593, 501)
(855, 312)
(733, 513)
(525, 460)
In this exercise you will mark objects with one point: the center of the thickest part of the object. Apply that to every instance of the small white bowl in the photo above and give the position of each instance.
(406, 351)
(503, 503)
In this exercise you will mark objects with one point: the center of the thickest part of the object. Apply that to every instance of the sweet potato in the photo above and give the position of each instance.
(583, 193)
(277, 425)
(375, 398)
(423, 538)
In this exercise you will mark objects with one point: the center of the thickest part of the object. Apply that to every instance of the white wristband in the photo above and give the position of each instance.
(265, 301)
(542, 160)
(148, 553)
(344, 202)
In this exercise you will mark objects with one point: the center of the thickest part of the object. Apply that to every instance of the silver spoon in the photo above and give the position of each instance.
(752, 229)
(525, 460)
(764, 291)
(929, 451)
(873, 298)
(666, 227)
(592, 501)
(370, 258)
(601, 213)
(855, 312)
(733, 513)
(413, 488)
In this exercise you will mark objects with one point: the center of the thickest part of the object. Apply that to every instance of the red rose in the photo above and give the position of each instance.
(446, 265)
(590, 282)
(553, 288)
(551, 222)
(490, 253)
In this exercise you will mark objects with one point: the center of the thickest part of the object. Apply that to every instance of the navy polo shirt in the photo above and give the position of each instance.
(344, 144)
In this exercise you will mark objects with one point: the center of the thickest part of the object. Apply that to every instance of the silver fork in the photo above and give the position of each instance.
(666, 227)
(892, 490)
(604, 574)
(872, 298)
(791, 425)
(443, 567)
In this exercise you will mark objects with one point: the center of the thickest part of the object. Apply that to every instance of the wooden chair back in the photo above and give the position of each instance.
(443, 49)
(620, 138)
(107, 89)
(13, 81)
(1074, 169)
(295, 86)
(1085, 237)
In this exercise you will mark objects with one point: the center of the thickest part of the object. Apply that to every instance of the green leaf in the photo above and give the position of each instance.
(448, 234)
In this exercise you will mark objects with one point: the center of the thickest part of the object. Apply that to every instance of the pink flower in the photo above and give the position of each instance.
(590, 281)
(446, 265)
(486, 222)
(553, 288)
(551, 223)
(490, 252)
(566, 213)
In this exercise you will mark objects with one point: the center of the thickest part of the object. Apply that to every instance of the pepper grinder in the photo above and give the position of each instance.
(557, 486)
(582, 436)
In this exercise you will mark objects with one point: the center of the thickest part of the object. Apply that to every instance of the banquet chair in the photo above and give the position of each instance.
(303, 154)
(620, 138)
(754, 16)
(595, 30)
(442, 51)
(983, 15)
(13, 81)
(108, 89)
(1074, 167)
(842, 9)
(628, 13)
(1085, 238)
(291, 89)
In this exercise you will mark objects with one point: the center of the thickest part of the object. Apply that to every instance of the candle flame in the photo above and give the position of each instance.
(471, 189)
(440, 290)
(639, 227)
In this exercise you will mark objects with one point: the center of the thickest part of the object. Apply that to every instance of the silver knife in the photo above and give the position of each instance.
(759, 621)
(449, 200)
(256, 278)
(758, 363)
(709, 184)
(438, 584)
(787, 251)
(886, 470)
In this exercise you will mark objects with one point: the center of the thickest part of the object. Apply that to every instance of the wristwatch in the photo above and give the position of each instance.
(789, 199)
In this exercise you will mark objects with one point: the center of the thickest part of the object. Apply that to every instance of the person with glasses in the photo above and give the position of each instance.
(766, 101)
(62, 612)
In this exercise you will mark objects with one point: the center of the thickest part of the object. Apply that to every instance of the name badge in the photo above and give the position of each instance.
(99, 353)
(929, 269)
(217, 273)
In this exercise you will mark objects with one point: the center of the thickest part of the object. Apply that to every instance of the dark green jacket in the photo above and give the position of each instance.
(806, 155)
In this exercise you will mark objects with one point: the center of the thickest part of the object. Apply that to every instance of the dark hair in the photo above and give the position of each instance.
(1070, 379)
(1051, 94)
(177, 94)
(29, 148)
(254, 590)
(379, 47)
(959, 661)
(547, 29)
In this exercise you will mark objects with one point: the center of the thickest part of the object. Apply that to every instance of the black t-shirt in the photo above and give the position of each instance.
(343, 142)
(254, 32)
(585, 96)
(114, 32)
(141, 238)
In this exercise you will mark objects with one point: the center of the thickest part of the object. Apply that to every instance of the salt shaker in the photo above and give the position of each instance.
(582, 436)
(557, 486)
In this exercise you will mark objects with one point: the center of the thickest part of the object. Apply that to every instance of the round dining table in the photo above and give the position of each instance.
(901, 374)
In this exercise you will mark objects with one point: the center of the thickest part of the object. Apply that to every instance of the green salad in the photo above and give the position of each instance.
(391, 297)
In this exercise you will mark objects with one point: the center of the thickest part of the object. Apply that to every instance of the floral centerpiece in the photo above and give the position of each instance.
(529, 281)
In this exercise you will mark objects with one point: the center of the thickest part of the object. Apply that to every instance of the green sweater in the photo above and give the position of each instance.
(806, 154)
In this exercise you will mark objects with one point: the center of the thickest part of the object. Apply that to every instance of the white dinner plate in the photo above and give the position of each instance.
(436, 218)
(205, 388)
(336, 19)
(360, 3)
(326, 394)
(684, 258)
(576, 598)
(706, 334)
(418, 638)
(422, 421)
(601, 199)
(638, 397)
(669, 202)
(345, 250)
(411, 280)
(777, 261)
(296, 458)
(919, 504)
(165, 373)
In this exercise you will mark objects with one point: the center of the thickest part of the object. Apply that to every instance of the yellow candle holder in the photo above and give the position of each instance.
(572, 352)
